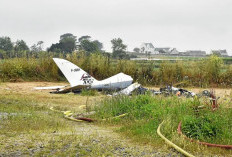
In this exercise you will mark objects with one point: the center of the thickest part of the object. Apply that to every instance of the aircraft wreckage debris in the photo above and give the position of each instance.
(79, 79)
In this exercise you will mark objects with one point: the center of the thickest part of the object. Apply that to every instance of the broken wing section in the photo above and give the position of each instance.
(70, 89)
(128, 90)
(50, 88)
(63, 89)
(74, 74)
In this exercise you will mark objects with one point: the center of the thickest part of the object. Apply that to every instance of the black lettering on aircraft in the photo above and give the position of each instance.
(87, 79)
(75, 70)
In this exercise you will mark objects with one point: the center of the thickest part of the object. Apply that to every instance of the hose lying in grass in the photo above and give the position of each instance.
(203, 143)
(172, 144)
(68, 115)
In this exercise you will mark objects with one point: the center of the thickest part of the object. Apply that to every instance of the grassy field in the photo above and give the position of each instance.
(29, 128)
(146, 112)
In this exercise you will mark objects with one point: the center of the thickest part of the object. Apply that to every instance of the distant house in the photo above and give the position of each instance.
(164, 50)
(147, 48)
(167, 50)
(193, 53)
(174, 51)
(220, 52)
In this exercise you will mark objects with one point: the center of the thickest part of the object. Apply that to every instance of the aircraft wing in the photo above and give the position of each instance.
(62, 89)
(70, 89)
(50, 88)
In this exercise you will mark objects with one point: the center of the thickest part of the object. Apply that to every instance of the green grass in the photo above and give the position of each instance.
(19, 116)
(207, 126)
(28, 128)
(146, 112)
(86, 92)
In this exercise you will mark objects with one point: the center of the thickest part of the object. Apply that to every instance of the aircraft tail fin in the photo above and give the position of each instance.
(74, 74)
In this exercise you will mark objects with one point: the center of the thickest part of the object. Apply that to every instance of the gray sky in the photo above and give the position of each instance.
(184, 24)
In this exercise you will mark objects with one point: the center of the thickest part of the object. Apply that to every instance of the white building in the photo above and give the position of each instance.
(148, 48)
(167, 51)
(174, 51)
(220, 52)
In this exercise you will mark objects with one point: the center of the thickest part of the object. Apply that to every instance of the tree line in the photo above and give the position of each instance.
(67, 44)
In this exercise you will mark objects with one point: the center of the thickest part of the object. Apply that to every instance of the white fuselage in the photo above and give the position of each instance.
(119, 81)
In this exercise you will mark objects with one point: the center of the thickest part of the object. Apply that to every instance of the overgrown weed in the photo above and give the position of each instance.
(146, 112)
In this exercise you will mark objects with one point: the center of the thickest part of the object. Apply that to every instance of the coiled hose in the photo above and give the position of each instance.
(172, 144)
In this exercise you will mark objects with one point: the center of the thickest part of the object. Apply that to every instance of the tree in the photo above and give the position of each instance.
(66, 44)
(20, 48)
(3, 54)
(89, 46)
(85, 37)
(98, 44)
(55, 48)
(21, 45)
(119, 49)
(6, 45)
(38, 47)
(137, 50)
(67, 35)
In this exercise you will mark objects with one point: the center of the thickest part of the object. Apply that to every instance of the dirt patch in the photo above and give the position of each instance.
(66, 101)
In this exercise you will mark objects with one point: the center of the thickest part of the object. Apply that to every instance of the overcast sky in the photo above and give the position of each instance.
(184, 24)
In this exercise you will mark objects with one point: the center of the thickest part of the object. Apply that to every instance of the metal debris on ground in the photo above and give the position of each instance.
(167, 91)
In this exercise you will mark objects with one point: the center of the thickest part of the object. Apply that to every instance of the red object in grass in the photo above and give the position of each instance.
(203, 143)
(214, 100)
(85, 119)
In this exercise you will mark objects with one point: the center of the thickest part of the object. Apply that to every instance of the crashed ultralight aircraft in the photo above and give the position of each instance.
(80, 79)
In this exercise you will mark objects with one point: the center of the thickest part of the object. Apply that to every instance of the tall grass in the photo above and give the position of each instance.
(207, 72)
(29, 69)
(146, 112)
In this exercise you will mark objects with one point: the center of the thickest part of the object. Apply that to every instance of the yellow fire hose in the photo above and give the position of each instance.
(68, 115)
(172, 144)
